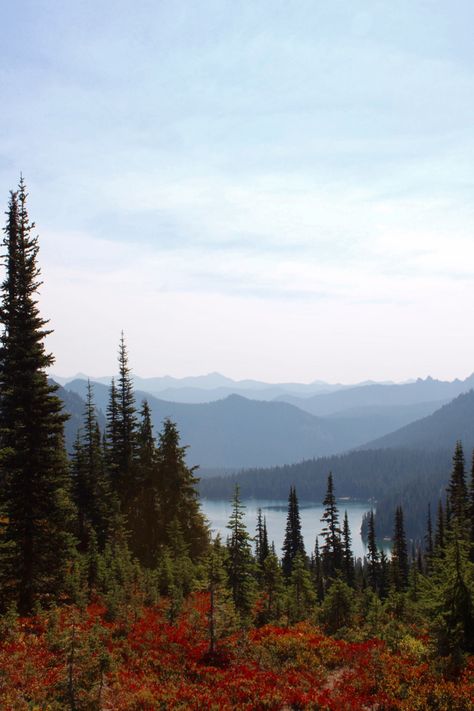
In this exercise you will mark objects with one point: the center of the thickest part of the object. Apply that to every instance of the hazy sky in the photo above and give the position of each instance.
(279, 190)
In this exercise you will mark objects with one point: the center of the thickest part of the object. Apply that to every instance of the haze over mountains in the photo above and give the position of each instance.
(237, 432)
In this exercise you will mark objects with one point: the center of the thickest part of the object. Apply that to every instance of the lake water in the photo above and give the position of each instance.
(275, 512)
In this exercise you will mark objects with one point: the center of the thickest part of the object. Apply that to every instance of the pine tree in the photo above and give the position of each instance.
(91, 486)
(240, 565)
(37, 545)
(457, 494)
(293, 542)
(301, 595)
(429, 543)
(145, 511)
(178, 497)
(273, 588)
(439, 540)
(373, 562)
(347, 555)
(399, 553)
(318, 572)
(331, 533)
(125, 431)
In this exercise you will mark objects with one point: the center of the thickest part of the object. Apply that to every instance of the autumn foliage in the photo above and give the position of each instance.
(79, 660)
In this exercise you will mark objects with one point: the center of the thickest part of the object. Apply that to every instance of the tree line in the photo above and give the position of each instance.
(122, 520)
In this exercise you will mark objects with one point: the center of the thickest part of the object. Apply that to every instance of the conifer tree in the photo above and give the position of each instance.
(429, 542)
(318, 572)
(457, 495)
(240, 565)
(399, 553)
(178, 498)
(125, 431)
(331, 533)
(471, 508)
(301, 595)
(383, 581)
(373, 562)
(37, 545)
(347, 555)
(91, 486)
(293, 542)
(273, 587)
(439, 540)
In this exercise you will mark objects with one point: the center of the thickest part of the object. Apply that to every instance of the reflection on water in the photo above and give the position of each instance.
(275, 512)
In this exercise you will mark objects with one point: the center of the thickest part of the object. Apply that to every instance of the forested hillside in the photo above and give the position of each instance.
(114, 596)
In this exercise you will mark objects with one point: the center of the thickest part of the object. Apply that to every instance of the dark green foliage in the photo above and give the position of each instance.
(439, 540)
(337, 609)
(261, 540)
(317, 570)
(331, 533)
(91, 485)
(373, 562)
(273, 587)
(177, 493)
(293, 542)
(301, 595)
(37, 544)
(347, 555)
(457, 496)
(399, 553)
(240, 564)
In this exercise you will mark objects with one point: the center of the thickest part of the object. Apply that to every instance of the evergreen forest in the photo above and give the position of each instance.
(114, 594)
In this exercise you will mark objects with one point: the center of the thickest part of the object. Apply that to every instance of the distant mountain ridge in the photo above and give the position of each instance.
(214, 386)
(377, 394)
(236, 432)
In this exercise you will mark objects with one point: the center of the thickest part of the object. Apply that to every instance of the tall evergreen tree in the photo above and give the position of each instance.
(177, 492)
(261, 539)
(293, 542)
(240, 565)
(37, 544)
(457, 494)
(331, 533)
(439, 540)
(347, 555)
(126, 430)
(400, 567)
(429, 542)
(373, 561)
(91, 486)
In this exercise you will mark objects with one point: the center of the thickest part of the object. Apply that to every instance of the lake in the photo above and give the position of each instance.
(275, 512)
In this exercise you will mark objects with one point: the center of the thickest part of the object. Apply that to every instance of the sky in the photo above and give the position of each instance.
(272, 190)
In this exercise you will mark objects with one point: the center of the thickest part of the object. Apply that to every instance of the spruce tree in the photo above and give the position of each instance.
(177, 494)
(429, 542)
(37, 545)
(457, 494)
(399, 553)
(439, 540)
(293, 542)
(91, 486)
(331, 533)
(240, 565)
(347, 555)
(373, 562)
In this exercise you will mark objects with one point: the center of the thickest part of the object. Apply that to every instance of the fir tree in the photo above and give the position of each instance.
(177, 494)
(273, 587)
(293, 542)
(91, 487)
(37, 545)
(331, 533)
(301, 595)
(439, 540)
(457, 495)
(429, 542)
(126, 430)
(240, 565)
(399, 553)
(318, 572)
(347, 555)
(373, 562)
